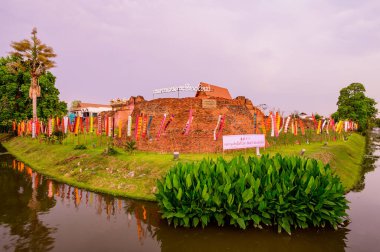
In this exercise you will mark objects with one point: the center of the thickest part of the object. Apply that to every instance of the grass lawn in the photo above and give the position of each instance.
(135, 175)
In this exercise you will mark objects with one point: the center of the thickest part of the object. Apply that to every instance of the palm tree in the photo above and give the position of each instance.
(35, 57)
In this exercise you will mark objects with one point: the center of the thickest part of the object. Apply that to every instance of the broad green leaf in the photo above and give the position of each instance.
(247, 195)
(188, 181)
(168, 183)
(309, 185)
(195, 221)
(175, 182)
(256, 219)
(205, 195)
(179, 194)
(241, 223)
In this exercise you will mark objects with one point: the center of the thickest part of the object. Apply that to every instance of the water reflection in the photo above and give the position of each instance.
(370, 158)
(42, 214)
(26, 195)
(19, 213)
(37, 213)
(365, 204)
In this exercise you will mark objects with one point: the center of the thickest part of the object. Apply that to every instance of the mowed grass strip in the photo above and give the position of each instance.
(135, 175)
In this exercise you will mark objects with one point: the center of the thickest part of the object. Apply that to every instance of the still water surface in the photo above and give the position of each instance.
(39, 214)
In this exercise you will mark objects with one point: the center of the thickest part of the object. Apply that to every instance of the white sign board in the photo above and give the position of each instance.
(233, 142)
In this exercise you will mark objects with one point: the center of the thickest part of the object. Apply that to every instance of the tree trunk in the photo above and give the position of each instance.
(34, 97)
(33, 94)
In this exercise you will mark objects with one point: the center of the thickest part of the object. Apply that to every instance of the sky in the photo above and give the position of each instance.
(292, 55)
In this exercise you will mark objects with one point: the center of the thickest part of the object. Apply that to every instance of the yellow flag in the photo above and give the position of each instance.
(264, 130)
(319, 127)
(119, 125)
(91, 124)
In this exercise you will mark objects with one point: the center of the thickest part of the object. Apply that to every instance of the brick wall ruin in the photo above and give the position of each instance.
(238, 120)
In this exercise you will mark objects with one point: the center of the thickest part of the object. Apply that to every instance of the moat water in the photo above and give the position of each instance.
(39, 214)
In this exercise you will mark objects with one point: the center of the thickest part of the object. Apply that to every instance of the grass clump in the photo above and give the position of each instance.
(287, 192)
(80, 147)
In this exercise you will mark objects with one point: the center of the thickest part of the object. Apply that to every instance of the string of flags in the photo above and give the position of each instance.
(275, 124)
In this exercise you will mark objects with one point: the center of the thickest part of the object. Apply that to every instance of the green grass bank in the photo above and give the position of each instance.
(135, 175)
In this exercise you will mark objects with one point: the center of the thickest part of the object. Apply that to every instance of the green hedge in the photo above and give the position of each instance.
(289, 192)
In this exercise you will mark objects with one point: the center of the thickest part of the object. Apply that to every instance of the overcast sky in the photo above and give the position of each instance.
(290, 55)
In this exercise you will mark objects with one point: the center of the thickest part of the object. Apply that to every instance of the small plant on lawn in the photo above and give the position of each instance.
(110, 150)
(80, 147)
(130, 146)
(60, 136)
(287, 192)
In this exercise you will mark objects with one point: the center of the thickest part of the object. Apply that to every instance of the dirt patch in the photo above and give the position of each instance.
(67, 160)
(325, 157)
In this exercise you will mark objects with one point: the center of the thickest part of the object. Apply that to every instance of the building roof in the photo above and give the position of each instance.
(215, 91)
(92, 105)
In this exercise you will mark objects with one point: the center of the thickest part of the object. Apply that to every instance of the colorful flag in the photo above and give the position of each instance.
(139, 127)
(129, 126)
(99, 124)
(91, 124)
(76, 128)
(161, 126)
(314, 121)
(263, 129)
(278, 123)
(119, 126)
(65, 124)
(33, 129)
(106, 125)
(186, 130)
(302, 126)
(287, 124)
(87, 120)
(170, 120)
(273, 123)
(144, 126)
(110, 126)
(136, 125)
(323, 125)
(148, 127)
(221, 126)
(319, 127)
(50, 127)
(217, 127)
(292, 123)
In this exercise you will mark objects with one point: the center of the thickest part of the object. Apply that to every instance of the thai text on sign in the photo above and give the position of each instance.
(233, 142)
(185, 87)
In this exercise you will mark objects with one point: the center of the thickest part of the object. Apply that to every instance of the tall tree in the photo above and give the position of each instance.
(35, 57)
(15, 103)
(354, 105)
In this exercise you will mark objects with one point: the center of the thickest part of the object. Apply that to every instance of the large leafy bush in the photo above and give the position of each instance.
(289, 192)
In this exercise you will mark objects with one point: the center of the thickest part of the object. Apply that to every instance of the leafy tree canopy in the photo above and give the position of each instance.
(354, 105)
(15, 103)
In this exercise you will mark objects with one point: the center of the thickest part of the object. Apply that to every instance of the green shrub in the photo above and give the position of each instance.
(289, 192)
